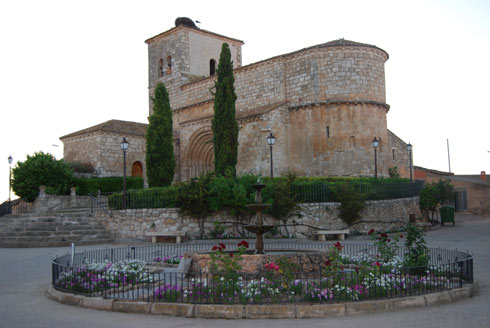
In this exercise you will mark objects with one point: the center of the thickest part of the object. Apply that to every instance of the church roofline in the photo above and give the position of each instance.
(330, 44)
(198, 30)
(113, 126)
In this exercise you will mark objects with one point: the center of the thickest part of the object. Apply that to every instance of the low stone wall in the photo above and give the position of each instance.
(47, 203)
(265, 311)
(381, 215)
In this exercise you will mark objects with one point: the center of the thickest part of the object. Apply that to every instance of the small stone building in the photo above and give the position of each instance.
(472, 192)
(100, 146)
(324, 104)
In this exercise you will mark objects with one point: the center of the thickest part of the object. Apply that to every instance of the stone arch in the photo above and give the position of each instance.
(137, 169)
(200, 153)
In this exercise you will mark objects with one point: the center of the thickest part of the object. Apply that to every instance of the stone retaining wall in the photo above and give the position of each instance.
(265, 311)
(381, 215)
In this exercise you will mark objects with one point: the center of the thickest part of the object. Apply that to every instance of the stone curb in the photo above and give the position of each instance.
(266, 311)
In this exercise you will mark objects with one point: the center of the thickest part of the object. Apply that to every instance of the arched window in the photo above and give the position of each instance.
(160, 68)
(137, 169)
(212, 67)
(169, 65)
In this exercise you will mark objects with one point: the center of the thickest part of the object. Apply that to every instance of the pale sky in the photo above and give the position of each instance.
(68, 65)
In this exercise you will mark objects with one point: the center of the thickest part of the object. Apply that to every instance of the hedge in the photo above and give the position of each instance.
(86, 186)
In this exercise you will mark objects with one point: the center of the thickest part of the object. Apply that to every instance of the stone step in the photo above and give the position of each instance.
(15, 244)
(49, 233)
(40, 239)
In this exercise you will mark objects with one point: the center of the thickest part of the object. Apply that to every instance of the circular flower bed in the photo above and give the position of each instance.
(342, 272)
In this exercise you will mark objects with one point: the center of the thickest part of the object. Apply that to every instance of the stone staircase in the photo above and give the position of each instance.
(60, 228)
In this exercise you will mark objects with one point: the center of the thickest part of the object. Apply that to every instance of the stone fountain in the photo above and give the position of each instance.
(259, 229)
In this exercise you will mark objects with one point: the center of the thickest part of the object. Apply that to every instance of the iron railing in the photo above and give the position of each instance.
(310, 193)
(447, 269)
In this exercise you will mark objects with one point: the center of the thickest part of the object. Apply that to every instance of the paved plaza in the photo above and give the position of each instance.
(25, 274)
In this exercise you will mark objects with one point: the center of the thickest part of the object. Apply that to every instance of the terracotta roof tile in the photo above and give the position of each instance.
(114, 126)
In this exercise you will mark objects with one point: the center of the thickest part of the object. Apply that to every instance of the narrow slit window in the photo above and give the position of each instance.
(160, 68)
(393, 151)
(328, 132)
(212, 67)
(169, 65)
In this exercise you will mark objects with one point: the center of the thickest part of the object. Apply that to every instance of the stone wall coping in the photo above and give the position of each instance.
(265, 311)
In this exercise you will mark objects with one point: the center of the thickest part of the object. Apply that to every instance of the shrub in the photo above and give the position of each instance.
(86, 186)
(41, 169)
(146, 198)
(418, 253)
(352, 203)
(80, 167)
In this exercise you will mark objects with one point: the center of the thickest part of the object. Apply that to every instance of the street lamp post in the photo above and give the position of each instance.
(124, 147)
(375, 146)
(271, 140)
(10, 159)
(409, 148)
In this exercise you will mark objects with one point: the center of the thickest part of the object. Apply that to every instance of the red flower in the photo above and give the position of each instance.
(389, 240)
(338, 246)
(378, 264)
(243, 243)
(401, 236)
(341, 267)
(215, 248)
(220, 249)
(231, 254)
(223, 246)
(370, 231)
(384, 235)
(327, 262)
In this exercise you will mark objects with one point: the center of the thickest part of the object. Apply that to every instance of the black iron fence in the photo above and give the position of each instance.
(100, 273)
(304, 193)
(325, 192)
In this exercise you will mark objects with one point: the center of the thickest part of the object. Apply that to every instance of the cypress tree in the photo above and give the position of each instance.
(160, 159)
(224, 125)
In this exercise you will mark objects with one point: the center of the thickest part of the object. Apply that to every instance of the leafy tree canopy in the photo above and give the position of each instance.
(41, 169)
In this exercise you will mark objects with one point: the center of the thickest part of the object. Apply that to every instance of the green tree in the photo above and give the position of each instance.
(41, 169)
(193, 198)
(224, 125)
(160, 158)
(352, 203)
(435, 194)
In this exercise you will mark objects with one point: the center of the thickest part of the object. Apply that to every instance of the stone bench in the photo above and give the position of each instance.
(177, 234)
(340, 234)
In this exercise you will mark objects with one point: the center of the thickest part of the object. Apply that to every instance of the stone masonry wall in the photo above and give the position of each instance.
(380, 215)
(398, 155)
(103, 151)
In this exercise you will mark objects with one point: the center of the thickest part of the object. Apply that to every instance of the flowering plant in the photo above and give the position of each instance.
(386, 246)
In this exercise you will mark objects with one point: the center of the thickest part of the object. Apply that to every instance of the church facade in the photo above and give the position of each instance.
(324, 104)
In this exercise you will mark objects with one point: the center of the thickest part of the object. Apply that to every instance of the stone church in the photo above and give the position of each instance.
(324, 104)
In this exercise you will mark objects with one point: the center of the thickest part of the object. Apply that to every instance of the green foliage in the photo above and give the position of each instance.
(352, 203)
(91, 186)
(160, 159)
(41, 169)
(435, 194)
(218, 230)
(146, 198)
(386, 246)
(393, 172)
(278, 194)
(80, 167)
(193, 199)
(418, 253)
(227, 193)
(224, 124)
